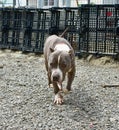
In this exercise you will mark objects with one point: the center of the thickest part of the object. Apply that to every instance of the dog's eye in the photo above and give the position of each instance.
(51, 64)
(64, 65)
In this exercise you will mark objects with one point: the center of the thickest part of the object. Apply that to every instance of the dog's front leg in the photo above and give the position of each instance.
(58, 96)
(70, 78)
(49, 78)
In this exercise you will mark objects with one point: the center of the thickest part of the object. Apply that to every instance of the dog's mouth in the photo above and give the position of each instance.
(57, 77)
(59, 84)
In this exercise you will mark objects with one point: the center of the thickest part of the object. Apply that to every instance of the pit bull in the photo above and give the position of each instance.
(59, 61)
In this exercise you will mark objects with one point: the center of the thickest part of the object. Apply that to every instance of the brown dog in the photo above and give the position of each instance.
(59, 61)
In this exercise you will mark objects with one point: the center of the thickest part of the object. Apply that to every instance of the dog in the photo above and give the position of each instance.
(59, 62)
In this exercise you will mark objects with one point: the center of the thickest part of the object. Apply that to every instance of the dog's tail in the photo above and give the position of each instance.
(62, 35)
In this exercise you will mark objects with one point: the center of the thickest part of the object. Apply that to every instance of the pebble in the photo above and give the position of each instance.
(1, 66)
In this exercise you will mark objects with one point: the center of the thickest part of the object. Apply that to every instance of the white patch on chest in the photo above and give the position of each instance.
(62, 47)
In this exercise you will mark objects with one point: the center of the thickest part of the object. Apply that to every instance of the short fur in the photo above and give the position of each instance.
(59, 63)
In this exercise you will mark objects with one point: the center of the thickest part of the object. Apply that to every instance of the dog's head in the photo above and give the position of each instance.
(59, 64)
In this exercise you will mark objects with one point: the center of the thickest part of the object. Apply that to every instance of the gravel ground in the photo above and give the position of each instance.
(26, 102)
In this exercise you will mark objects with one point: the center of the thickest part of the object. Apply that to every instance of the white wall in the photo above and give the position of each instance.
(72, 3)
(20, 3)
(97, 1)
(33, 3)
(109, 1)
(68, 3)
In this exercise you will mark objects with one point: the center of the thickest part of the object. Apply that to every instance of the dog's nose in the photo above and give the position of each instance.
(55, 77)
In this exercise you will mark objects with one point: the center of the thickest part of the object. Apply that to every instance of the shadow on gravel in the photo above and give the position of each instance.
(85, 107)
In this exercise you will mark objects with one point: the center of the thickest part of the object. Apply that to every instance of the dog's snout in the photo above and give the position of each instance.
(56, 77)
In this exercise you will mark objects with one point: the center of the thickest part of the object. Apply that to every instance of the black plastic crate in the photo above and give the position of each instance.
(90, 28)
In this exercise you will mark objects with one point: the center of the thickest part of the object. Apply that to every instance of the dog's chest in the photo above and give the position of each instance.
(62, 47)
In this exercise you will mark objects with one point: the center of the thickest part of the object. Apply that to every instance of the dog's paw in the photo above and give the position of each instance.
(58, 99)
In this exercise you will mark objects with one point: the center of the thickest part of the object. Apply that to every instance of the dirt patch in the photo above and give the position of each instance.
(102, 61)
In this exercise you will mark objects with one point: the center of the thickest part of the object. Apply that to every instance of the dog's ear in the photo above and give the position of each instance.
(51, 49)
(70, 52)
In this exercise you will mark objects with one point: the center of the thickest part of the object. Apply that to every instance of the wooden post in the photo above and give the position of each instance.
(77, 3)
